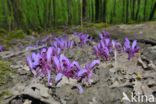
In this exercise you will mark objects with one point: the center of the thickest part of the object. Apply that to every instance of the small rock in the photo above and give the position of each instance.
(27, 101)
(66, 81)
(63, 101)
(16, 66)
(44, 93)
(25, 67)
(112, 70)
(115, 84)
(94, 101)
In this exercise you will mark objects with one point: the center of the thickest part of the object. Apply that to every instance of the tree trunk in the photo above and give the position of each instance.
(152, 12)
(84, 9)
(138, 9)
(145, 4)
(133, 9)
(54, 13)
(4, 23)
(104, 10)
(114, 8)
(81, 3)
(123, 10)
(93, 16)
(38, 12)
(10, 15)
(97, 10)
(100, 10)
(50, 14)
(69, 12)
(46, 13)
(17, 12)
(127, 11)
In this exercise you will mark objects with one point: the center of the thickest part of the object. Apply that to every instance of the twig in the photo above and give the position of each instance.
(20, 52)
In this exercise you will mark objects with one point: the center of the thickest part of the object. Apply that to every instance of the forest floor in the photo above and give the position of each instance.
(18, 86)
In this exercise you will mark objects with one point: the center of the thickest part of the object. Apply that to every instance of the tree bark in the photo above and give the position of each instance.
(93, 16)
(10, 14)
(84, 8)
(123, 10)
(145, 4)
(38, 12)
(17, 13)
(133, 9)
(54, 13)
(4, 23)
(69, 12)
(114, 8)
(100, 10)
(152, 12)
(104, 10)
(127, 11)
(138, 9)
(97, 10)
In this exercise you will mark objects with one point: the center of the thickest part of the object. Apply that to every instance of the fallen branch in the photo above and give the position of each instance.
(10, 54)
(147, 41)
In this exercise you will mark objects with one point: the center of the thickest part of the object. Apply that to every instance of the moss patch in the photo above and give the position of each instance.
(101, 25)
(7, 38)
(5, 72)
(4, 94)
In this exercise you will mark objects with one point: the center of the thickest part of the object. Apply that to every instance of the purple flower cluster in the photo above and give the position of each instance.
(64, 67)
(106, 46)
(131, 50)
(41, 63)
(87, 72)
(84, 38)
(63, 43)
(104, 34)
(49, 60)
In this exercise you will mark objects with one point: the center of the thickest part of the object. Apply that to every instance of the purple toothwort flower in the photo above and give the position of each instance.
(80, 89)
(49, 54)
(126, 44)
(104, 35)
(69, 44)
(45, 67)
(62, 64)
(57, 64)
(131, 50)
(29, 62)
(52, 51)
(1, 48)
(102, 50)
(63, 67)
(58, 77)
(33, 61)
(116, 45)
(106, 46)
(84, 38)
(42, 62)
(105, 53)
(63, 43)
(87, 72)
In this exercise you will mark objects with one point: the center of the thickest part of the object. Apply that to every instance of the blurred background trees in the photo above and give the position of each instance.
(43, 14)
